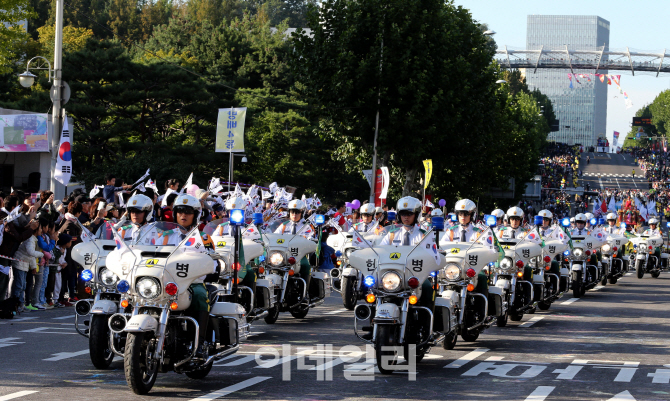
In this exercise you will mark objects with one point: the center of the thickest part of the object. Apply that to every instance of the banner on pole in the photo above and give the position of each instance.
(230, 130)
(385, 182)
(368, 176)
(63, 171)
(428, 165)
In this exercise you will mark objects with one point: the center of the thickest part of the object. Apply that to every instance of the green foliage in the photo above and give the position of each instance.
(13, 35)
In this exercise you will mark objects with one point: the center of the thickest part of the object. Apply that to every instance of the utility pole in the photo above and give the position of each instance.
(57, 112)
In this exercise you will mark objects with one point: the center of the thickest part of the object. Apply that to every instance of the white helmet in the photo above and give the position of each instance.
(653, 220)
(589, 216)
(581, 217)
(546, 214)
(141, 203)
(572, 219)
(498, 213)
(410, 204)
(368, 208)
(186, 203)
(465, 205)
(611, 216)
(379, 209)
(515, 211)
(297, 204)
(436, 213)
(236, 203)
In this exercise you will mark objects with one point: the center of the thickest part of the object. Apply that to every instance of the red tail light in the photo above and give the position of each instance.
(615, 249)
(413, 282)
(587, 253)
(171, 289)
(291, 260)
(519, 264)
(236, 266)
(471, 273)
(650, 247)
(547, 259)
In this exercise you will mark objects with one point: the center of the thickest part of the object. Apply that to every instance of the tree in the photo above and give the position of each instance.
(13, 33)
(74, 39)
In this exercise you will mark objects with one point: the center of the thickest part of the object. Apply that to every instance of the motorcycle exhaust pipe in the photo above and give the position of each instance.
(82, 307)
(363, 312)
(117, 323)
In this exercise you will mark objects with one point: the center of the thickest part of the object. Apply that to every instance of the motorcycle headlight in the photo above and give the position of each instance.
(107, 277)
(506, 263)
(452, 271)
(578, 252)
(606, 248)
(222, 264)
(148, 287)
(391, 281)
(276, 258)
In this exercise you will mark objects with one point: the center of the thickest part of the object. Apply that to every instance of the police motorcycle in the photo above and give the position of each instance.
(285, 254)
(393, 316)
(158, 270)
(550, 280)
(467, 302)
(100, 282)
(257, 297)
(514, 275)
(344, 243)
(643, 256)
(611, 254)
(587, 272)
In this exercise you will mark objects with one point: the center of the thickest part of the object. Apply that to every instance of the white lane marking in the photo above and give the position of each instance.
(255, 333)
(531, 321)
(460, 362)
(569, 301)
(9, 341)
(608, 155)
(63, 317)
(18, 319)
(540, 393)
(501, 359)
(16, 395)
(335, 312)
(41, 330)
(65, 355)
(271, 363)
(231, 389)
(239, 361)
(598, 288)
(628, 274)
(623, 396)
(617, 183)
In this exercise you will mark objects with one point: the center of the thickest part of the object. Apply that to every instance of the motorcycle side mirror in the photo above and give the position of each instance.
(390, 215)
(490, 220)
(565, 222)
(437, 222)
(258, 219)
(538, 220)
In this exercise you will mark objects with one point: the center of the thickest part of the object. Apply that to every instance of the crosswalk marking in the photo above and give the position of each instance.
(19, 319)
(65, 355)
(240, 361)
(42, 330)
(540, 393)
(63, 317)
(335, 312)
(569, 301)
(532, 321)
(16, 395)
(9, 341)
(460, 362)
(231, 389)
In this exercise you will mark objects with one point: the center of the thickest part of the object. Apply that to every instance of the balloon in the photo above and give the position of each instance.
(442, 202)
(192, 189)
(356, 204)
(349, 205)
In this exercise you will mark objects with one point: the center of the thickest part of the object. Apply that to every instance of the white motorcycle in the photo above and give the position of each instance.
(556, 277)
(643, 255)
(611, 257)
(161, 336)
(282, 265)
(101, 284)
(586, 270)
(258, 298)
(392, 316)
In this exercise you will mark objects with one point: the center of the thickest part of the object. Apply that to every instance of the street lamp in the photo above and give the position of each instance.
(27, 78)
(501, 81)
(230, 170)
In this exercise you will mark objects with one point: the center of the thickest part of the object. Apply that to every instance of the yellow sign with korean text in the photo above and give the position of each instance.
(230, 130)
(428, 165)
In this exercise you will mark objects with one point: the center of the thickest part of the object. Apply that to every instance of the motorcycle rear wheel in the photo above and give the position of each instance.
(501, 321)
(98, 342)
(140, 375)
(450, 341)
(300, 311)
(349, 295)
(655, 274)
(273, 314)
(385, 338)
(470, 336)
(613, 280)
(516, 317)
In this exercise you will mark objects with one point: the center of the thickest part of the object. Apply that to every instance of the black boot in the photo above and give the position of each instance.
(203, 320)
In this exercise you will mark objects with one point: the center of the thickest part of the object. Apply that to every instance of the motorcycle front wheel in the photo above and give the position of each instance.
(639, 267)
(300, 311)
(273, 314)
(98, 342)
(140, 367)
(386, 337)
(349, 293)
(544, 305)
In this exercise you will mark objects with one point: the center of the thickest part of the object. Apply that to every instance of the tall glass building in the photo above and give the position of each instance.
(582, 109)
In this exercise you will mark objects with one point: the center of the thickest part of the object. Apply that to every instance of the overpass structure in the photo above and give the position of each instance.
(598, 60)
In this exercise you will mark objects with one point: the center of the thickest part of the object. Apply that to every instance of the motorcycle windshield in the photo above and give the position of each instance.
(162, 234)
(273, 226)
(105, 232)
(217, 228)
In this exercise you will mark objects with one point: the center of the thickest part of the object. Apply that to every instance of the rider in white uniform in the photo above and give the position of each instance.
(140, 209)
(464, 231)
(367, 223)
(546, 228)
(408, 233)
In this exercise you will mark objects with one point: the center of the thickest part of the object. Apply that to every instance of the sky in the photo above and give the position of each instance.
(640, 25)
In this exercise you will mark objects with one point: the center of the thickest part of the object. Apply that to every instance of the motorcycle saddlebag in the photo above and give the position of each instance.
(227, 331)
